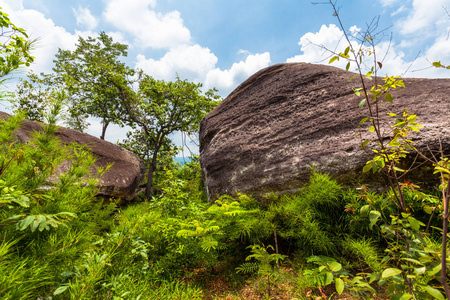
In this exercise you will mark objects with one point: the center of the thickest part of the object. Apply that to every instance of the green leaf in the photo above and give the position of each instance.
(433, 292)
(339, 286)
(361, 104)
(397, 169)
(347, 66)
(333, 59)
(346, 51)
(23, 224)
(389, 272)
(388, 97)
(367, 168)
(363, 121)
(365, 143)
(405, 296)
(60, 290)
(433, 271)
(415, 224)
(428, 209)
(35, 225)
(328, 278)
(373, 217)
(365, 210)
(371, 128)
(414, 261)
(335, 266)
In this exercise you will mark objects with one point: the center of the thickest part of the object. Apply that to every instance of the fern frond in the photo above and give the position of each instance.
(248, 267)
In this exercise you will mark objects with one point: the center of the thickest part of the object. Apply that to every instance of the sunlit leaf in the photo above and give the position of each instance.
(339, 286)
(389, 272)
(361, 104)
(365, 143)
(433, 292)
(333, 59)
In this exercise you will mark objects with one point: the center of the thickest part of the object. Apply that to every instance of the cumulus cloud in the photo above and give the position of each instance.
(13, 4)
(150, 29)
(49, 37)
(85, 18)
(186, 61)
(199, 64)
(226, 80)
(314, 47)
(424, 17)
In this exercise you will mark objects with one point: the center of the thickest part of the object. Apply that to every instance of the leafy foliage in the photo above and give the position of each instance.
(14, 46)
(89, 74)
(160, 109)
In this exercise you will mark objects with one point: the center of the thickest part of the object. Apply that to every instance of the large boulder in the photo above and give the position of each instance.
(123, 178)
(265, 136)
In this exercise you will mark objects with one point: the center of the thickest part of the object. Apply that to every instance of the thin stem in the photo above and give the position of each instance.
(445, 195)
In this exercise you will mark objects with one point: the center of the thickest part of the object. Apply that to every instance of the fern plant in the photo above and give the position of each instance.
(264, 265)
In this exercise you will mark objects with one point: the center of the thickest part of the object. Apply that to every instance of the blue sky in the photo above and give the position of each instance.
(222, 42)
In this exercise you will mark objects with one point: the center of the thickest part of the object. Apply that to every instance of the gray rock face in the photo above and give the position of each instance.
(268, 132)
(123, 178)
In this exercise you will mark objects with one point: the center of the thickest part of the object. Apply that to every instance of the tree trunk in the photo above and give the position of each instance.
(151, 170)
(104, 126)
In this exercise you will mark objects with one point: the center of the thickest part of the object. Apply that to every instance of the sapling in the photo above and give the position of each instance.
(403, 230)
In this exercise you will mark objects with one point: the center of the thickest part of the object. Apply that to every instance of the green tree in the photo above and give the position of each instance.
(89, 74)
(36, 94)
(159, 109)
(14, 47)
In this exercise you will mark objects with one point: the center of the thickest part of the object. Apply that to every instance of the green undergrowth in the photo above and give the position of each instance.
(58, 241)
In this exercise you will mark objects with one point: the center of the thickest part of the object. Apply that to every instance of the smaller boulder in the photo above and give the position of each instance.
(123, 178)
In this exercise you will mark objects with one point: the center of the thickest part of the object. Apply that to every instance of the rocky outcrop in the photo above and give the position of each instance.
(123, 178)
(265, 136)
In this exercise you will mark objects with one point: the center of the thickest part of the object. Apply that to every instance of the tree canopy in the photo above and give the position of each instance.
(160, 109)
(88, 74)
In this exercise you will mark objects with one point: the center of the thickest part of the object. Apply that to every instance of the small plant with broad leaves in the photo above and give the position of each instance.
(414, 267)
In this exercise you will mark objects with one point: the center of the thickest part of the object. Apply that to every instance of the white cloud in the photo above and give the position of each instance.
(328, 37)
(424, 17)
(242, 51)
(354, 30)
(150, 29)
(198, 64)
(391, 54)
(49, 37)
(188, 61)
(226, 80)
(118, 37)
(13, 4)
(316, 48)
(85, 18)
